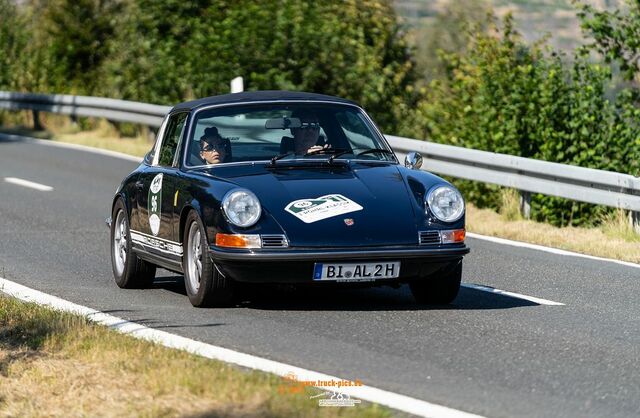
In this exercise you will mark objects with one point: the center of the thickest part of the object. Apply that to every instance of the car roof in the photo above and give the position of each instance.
(260, 96)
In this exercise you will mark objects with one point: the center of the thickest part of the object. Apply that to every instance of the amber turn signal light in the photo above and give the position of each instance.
(452, 236)
(238, 241)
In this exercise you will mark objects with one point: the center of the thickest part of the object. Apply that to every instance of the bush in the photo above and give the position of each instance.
(505, 96)
(13, 40)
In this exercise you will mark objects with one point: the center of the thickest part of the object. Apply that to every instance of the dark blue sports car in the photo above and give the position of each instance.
(284, 187)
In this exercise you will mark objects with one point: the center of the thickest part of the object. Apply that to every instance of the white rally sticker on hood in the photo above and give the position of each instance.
(323, 207)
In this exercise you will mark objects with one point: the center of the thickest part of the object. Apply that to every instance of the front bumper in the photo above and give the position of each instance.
(293, 265)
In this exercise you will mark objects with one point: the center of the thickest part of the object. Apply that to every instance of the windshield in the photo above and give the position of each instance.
(280, 132)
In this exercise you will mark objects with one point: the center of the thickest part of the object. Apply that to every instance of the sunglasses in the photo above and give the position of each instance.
(310, 126)
(210, 147)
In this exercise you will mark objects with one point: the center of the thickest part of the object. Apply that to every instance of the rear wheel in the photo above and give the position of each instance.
(129, 271)
(439, 289)
(205, 286)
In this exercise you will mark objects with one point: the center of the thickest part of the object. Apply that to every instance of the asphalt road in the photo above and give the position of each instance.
(486, 354)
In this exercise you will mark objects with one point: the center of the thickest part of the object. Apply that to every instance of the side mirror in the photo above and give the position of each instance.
(148, 158)
(413, 160)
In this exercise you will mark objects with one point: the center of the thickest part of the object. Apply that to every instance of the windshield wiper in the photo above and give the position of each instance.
(374, 150)
(279, 157)
(335, 151)
(326, 151)
(338, 154)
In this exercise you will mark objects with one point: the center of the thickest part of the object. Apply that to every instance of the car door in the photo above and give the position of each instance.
(155, 195)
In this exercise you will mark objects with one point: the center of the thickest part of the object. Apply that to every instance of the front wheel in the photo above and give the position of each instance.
(204, 284)
(439, 289)
(129, 271)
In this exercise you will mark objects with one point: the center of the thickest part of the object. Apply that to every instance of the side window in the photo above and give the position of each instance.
(172, 135)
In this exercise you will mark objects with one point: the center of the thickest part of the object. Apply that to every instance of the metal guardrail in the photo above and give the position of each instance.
(112, 109)
(576, 183)
(527, 175)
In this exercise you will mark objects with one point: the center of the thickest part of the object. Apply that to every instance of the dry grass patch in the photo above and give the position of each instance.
(60, 365)
(618, 225)
(98, 133)
(615, 239)
(105, 136)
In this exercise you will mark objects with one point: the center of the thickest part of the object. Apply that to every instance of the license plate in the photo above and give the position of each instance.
(356, 272)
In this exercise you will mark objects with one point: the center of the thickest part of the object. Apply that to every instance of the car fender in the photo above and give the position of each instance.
(418, 184)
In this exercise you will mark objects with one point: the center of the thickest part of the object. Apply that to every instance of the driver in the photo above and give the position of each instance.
(306, 138)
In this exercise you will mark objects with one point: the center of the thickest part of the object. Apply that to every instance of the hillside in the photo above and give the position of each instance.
(534, 18)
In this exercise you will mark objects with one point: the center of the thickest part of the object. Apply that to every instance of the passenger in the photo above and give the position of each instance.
(214, 148)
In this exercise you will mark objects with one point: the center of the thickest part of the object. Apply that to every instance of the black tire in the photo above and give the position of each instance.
(205, 286)
(439, 289)
(129, 271)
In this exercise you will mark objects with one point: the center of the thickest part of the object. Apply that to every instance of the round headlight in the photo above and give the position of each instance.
(241, 207)
(446, 203)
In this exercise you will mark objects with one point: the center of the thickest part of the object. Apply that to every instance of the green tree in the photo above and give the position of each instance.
(154, 59)
(448, 32)
(13, 40)
(615, 33)
(75, 35)
(174, 50)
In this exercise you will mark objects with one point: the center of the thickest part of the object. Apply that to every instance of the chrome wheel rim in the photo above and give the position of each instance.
(194, 257)
(120, 242)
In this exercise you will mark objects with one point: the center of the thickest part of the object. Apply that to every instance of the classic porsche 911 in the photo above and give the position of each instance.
(285, 188)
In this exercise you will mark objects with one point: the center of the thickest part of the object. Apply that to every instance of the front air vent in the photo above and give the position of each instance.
(429, 237)
(274, 241)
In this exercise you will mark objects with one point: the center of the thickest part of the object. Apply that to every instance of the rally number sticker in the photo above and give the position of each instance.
(155, 204)
(323, 207)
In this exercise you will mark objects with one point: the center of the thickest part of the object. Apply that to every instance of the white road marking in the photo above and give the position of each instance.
(29, 184)
(53, 143)
(100, 151)
(548, 249)
(393, 400)
(511, 294)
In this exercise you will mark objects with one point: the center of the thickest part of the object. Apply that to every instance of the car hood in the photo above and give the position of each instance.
(340, 206)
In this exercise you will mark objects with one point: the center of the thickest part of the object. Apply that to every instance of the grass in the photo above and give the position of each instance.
(510, 205)
(100, 138)
(614, 238)
(60, 365)
(96, 133)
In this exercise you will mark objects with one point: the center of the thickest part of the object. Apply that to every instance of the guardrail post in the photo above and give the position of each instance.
(525, 204)
(152, 133)
(36, 120)
(634, 219)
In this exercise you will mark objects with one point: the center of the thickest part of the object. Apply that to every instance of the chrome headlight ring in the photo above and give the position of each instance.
(241, 207)
(445, 203)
